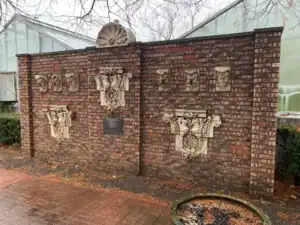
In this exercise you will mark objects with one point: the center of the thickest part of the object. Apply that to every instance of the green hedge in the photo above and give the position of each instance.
(7, 107)
(9, 129)
(290, 143)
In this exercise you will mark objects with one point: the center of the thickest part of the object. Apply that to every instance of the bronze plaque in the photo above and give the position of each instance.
(113, 126)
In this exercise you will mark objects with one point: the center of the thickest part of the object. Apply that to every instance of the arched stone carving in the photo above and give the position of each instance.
(72, 82)
(112, 84)
(192, 79)
(114, 34)
(59, 118)
(42, 81)
(56, 83)
(192, 128)
(223, 78)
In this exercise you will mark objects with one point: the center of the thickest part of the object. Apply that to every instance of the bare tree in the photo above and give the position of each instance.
(151, 19)
(287, 9)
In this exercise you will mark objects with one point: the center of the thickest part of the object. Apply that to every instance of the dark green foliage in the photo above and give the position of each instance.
(9, 129)
(290, 143)
(6, 107)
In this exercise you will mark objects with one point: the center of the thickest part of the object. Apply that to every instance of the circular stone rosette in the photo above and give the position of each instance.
(212, 196)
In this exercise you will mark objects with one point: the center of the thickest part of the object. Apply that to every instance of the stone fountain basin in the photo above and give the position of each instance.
(218, 197)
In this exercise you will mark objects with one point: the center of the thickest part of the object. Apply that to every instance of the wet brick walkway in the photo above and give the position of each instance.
(28, 200)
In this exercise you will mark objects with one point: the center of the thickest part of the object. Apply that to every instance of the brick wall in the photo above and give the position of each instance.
(229, 150)
(264, 123)
(241, 155)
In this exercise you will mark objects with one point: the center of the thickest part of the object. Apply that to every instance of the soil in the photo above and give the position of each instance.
(216, 212)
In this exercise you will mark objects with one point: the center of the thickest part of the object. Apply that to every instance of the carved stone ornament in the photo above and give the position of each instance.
(72, 82)
(112, 84)
(164, 79)
(192, 79)
(42, 81)
(192, 128)
(56, 83)
(59, 118)
(223, 78)
(114, 34)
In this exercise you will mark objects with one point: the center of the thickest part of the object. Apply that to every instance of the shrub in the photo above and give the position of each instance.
(9, 129)
(290, 143)
(7, 107)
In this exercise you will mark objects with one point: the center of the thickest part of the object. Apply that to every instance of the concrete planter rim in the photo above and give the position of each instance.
(265, 219)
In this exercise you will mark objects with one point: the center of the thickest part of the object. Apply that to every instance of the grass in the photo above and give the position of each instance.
(10, 115)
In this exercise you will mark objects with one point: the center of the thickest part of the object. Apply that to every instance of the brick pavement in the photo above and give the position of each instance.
(47, 200)
(282, 210)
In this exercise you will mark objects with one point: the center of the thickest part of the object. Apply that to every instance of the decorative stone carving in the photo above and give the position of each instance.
(114, 34)
(42, 81)
(164, 79)
(192, 79)
(56, 83)
(112, 84)
(72, 82)
(223, 78)
(192, 128)
(59, 118)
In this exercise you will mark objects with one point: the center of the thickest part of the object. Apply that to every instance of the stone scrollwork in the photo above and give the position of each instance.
(192, 79)
(164, 79)
(112, 84)
(56, 83)
(223, 78)
(192, 128)
(114, 34)
(72, 82)
(42, 81)
(59, 118)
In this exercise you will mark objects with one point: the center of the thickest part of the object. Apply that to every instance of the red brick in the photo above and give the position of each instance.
(147, 147)
(35, 200)
(240, 150)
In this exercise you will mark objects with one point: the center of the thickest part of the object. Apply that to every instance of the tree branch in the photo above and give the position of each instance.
(90, 10)
(159, 19)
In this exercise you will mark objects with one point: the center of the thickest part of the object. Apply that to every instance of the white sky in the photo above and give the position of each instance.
(145, 24)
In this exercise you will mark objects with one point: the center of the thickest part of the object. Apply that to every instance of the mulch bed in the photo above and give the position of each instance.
(216, 212)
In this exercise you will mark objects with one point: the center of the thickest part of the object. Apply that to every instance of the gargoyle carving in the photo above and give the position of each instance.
(164, 78)
(42, 81)
(223, 78)
(72, 82)
(56, 83)
(192, 79)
